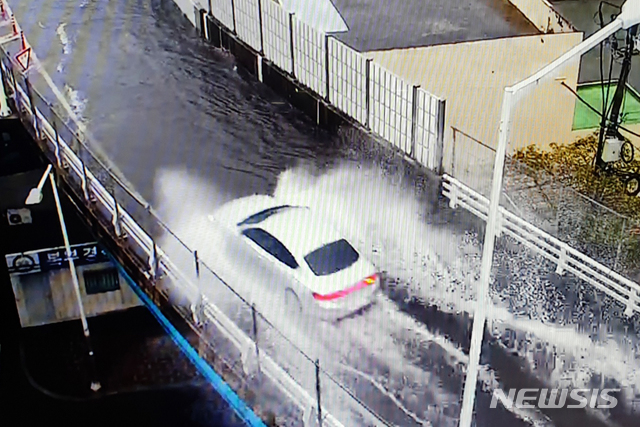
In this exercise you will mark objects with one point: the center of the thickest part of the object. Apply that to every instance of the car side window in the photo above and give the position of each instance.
(272, 245)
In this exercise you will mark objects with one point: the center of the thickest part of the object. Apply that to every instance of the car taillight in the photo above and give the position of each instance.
(367, 281)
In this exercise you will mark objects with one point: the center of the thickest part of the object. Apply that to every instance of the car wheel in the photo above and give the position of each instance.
(627, 152)
(632, 185)
(292, 302)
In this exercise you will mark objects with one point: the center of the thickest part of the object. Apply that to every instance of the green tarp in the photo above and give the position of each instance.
(585, 118)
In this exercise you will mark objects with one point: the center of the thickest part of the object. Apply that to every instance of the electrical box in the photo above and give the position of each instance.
(611, 150)
(19, 216)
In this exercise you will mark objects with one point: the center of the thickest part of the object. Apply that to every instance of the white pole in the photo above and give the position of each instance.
(480, 314)
(509, 100)
(74, 276)
(5, 111)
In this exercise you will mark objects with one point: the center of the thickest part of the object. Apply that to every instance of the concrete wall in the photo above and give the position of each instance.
(44, 298)
(543, 15)
(472, 76)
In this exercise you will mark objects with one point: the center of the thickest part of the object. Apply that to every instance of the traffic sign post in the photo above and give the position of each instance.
(23, 58)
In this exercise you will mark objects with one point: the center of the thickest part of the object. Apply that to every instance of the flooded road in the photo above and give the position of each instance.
(190, 131)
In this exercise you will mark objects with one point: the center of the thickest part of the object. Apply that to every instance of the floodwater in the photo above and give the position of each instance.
(190, 131)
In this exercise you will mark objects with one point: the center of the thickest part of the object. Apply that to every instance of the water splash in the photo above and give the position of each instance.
(387, 223)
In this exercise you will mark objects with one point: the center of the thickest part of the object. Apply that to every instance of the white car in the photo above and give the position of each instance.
(301, 258)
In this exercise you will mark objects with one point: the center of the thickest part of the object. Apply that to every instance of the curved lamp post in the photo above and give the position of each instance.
(629, 17)
(35, 197)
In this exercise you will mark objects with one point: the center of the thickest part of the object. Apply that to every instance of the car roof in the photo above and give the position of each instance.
(299, 230)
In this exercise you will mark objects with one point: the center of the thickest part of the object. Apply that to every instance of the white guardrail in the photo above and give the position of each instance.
(567, 258)
(159, 264)
(403, 114)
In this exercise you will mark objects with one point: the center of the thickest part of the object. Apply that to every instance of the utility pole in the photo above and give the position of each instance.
(609, 129)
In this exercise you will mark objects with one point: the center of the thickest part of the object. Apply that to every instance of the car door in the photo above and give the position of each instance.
(276, 265)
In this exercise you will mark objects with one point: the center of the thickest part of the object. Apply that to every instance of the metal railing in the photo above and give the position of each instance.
(305, 389)
(564, 256)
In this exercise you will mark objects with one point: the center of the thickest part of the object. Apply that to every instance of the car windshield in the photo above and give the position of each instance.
(331, 258)
(262, 215)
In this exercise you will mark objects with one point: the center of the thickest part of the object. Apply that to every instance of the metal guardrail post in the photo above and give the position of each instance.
(261, 27)
(197, 263)
(367, 85)
(453, 195)
(85, 185)
(439, 154)
(414, 119)
(291, 48)
(326, 66)
(634, 299)
(233, 17)
(622, 234)
(57, 137)
(153, 262)
(255, 333)
(318, 392)
(562, 261)
(116, 216)
(5, 111)
(198, 310)
(453, 150)
(36, 128)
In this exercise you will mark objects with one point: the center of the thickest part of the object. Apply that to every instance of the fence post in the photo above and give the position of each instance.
(255, 334)
(85, 185)
(562, 259)
(318, 392)
(453, 151)
(199, 313)
(261, 29)
(326, 66)
(367, 72)
(153, 262)
(439, 154)
(57, 137)
(622, 233)
(5, 111)
(293, 62)
(34, 121)
(116, 216)
(233, 16)
(414, 121)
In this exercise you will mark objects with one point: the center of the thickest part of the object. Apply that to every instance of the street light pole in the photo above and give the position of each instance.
(630, 16)
(35, 196)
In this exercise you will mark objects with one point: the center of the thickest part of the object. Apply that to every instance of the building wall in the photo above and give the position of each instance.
(543, 15)
(44, 298)
(472, 77)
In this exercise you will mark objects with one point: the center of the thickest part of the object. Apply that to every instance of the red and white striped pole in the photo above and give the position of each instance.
(14, 25)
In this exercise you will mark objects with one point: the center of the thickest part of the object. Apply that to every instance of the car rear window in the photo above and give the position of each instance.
(331, 258)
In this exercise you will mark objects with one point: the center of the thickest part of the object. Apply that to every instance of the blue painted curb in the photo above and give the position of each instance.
(238, 405)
